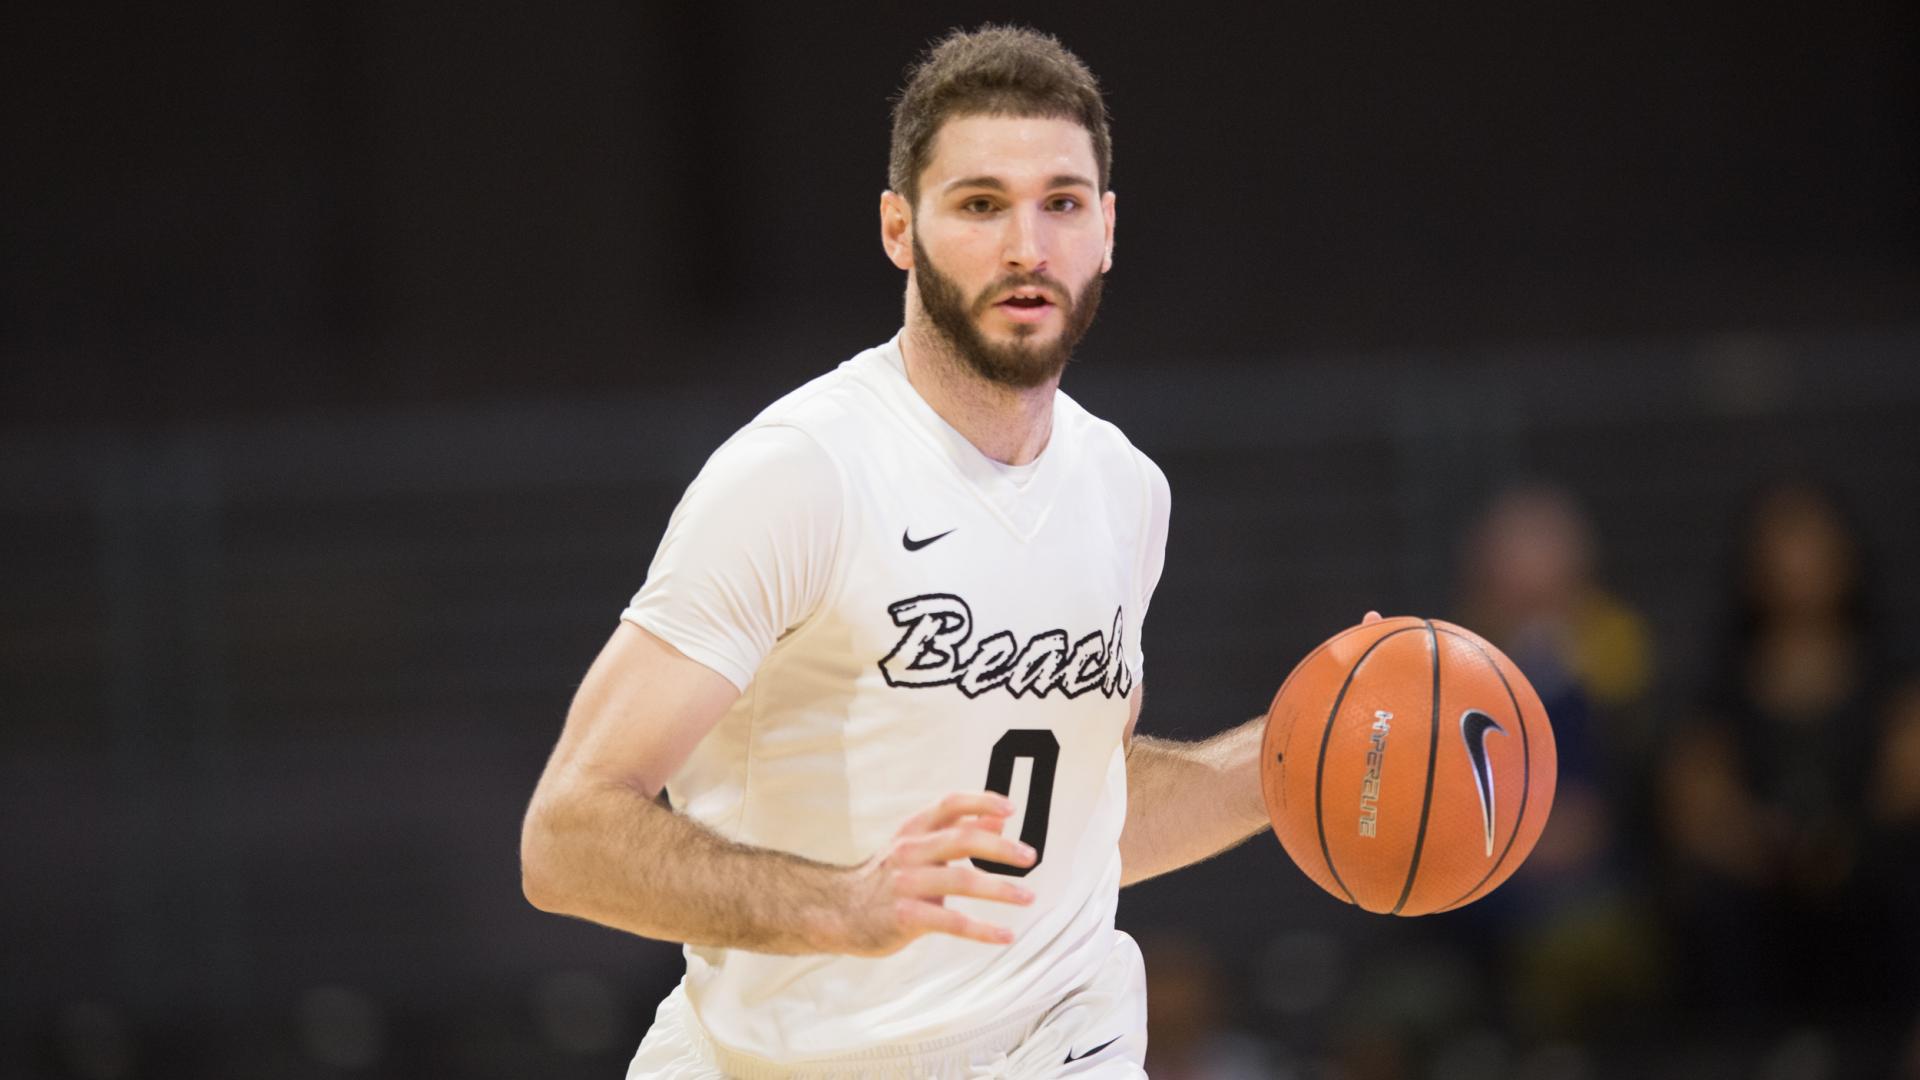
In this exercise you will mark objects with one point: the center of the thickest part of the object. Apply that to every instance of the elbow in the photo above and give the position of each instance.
(537, 890)
(537, 879)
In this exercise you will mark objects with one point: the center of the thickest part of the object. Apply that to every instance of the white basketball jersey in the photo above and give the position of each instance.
(907, 618)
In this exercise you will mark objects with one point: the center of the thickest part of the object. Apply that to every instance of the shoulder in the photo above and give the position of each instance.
(838, 409)
(774, 463)
(803, 443)
(769, 489)
(1110, 451)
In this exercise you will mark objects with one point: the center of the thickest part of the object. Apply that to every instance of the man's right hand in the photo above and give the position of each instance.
(596, 846)
(900, 893)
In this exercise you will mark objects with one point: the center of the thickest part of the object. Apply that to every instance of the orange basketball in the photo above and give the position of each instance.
(1408, 766)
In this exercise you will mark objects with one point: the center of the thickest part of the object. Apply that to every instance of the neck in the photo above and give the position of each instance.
(1008, 425)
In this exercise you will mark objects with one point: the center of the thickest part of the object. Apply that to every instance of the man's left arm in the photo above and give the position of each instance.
(1188, 801)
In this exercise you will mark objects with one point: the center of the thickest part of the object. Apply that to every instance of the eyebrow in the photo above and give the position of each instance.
(992, 183)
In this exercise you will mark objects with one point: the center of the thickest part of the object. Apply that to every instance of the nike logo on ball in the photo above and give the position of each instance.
(911, 544)
(1474, 726)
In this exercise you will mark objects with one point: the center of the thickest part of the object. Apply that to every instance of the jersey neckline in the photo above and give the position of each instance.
(1022, 496)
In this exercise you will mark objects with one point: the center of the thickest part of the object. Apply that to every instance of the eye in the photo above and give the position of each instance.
(979, 204)
(1065, 204)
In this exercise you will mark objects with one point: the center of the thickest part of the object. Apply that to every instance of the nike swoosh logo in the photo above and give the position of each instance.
(1073, 1057)
(1474, 726)
(911, 544)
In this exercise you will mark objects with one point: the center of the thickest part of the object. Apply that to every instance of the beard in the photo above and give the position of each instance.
(1019, 364)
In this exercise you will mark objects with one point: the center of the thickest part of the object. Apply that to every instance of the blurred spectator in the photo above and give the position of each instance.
(1530, 585)
(1769, 793)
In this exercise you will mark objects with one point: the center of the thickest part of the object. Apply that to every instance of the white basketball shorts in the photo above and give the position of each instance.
(1097, 1032)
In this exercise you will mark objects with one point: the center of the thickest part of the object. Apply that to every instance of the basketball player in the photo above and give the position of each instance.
(887, 660)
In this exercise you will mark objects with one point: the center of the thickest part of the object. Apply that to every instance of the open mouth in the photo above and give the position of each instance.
(1028, 310)
(1026, 306)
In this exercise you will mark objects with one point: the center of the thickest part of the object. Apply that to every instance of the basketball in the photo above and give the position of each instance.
(1408, 766)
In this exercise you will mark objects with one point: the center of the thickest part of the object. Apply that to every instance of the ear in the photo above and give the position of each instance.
(896, 229)
(1106, 207)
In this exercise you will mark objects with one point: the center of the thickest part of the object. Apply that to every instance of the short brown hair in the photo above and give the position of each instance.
(992, 71)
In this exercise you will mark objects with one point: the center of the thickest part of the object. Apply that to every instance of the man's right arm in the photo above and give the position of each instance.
(596, 844)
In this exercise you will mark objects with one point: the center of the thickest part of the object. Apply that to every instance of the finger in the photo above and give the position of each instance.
(993, 823)
(1372, 617)
(990, 825)
(950, 844)
(925, 918)
(956, 806)
(934, 882)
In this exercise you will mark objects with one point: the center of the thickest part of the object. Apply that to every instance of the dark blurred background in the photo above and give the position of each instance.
(352, 356)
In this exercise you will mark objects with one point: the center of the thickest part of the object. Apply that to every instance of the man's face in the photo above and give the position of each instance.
(1009, 241)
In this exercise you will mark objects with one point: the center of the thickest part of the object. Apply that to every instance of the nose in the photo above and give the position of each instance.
(1021, 247)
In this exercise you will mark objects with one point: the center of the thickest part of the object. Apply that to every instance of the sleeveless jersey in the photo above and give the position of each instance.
(907, 618)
